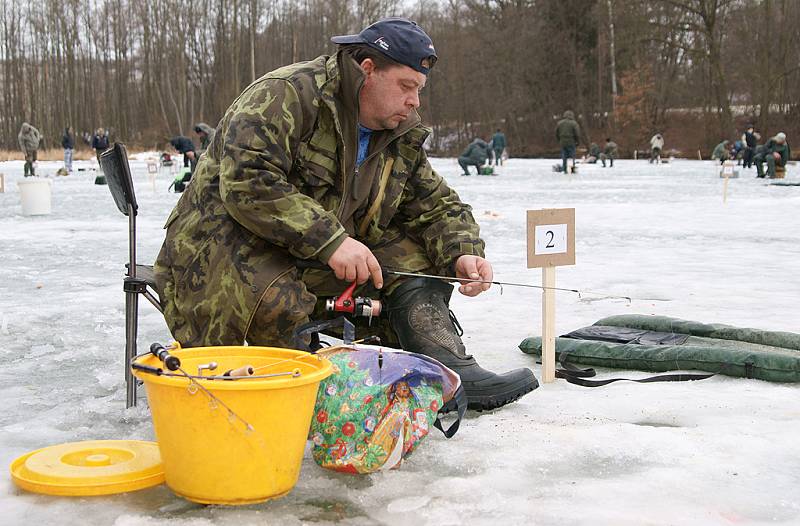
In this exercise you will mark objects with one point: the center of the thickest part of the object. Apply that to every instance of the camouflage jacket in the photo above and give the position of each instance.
(28, 138)
(279, 183)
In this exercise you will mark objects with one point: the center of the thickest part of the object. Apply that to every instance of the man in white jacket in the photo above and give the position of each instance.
(656, 146)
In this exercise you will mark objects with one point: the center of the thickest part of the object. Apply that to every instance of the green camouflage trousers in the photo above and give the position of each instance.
(294, 298)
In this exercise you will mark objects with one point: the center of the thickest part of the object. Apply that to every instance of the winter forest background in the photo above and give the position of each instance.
(695, 70)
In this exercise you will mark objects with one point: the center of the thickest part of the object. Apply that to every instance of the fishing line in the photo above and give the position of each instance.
(580, 293)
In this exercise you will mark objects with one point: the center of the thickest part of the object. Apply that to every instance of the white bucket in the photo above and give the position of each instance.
(35, 195)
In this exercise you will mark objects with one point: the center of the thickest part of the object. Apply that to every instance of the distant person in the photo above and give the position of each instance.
(721, 151)
(609, 152)
(100, 141)
(568, 135)
(775, 153)
(475, 155)
(737, 151)
(205, 133)
(68, 143)
(498, 146)
(656, 147)
(594, 153)
(29, 138)
(184, 145)
(750, 139)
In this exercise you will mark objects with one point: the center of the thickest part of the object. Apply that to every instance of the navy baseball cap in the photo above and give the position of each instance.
(399, 39)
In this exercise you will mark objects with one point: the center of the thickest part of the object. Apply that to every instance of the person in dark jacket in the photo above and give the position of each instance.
(775, 153)
(475, 155)
(498, 145)
(185, 146)
(568, 135)
(100, 141)
(750, 140)
(68, 143)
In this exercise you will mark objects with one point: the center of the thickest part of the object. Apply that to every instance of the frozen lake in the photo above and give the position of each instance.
(719, 451)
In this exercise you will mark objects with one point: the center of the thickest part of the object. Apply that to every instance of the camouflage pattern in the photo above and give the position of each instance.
(568, 131)
(28, 138)
(278, 183)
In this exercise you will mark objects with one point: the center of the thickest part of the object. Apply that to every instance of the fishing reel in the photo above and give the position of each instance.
(358, 306)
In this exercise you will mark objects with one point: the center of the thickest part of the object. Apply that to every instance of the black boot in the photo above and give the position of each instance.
(419, 314)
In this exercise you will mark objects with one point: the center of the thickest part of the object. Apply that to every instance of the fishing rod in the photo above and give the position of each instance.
(334, 307)
(173, 363)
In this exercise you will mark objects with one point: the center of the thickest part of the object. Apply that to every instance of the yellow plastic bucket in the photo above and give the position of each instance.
(236, 441)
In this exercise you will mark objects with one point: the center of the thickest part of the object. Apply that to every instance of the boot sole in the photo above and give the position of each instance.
(488, 402)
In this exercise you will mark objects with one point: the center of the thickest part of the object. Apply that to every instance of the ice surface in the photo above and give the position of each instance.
(720, 451)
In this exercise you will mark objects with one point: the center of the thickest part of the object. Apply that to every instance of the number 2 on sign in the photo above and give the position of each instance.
(550, 239)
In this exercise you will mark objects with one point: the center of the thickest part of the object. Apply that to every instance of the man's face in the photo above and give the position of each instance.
(388, 95)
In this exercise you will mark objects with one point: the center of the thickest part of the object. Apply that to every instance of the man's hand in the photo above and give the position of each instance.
(473, 267)
(353, 261)
(190, 155)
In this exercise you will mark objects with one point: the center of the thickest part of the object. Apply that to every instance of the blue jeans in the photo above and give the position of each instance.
(68, 159)
(567, 152)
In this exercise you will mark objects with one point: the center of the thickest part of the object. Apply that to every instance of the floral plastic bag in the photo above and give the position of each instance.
(378, 405)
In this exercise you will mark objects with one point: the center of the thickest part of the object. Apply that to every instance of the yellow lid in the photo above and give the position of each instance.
(94, 467)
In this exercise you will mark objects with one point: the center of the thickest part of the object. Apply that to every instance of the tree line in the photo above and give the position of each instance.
(694, 70)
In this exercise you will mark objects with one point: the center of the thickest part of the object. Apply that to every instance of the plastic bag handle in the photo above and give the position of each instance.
(313, 328)
(457, 403)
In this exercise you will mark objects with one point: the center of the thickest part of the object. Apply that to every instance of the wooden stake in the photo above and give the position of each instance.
(2, 183)
(699, 156)
(548, 324)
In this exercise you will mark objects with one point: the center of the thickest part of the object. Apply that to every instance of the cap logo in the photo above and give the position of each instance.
(380, 41)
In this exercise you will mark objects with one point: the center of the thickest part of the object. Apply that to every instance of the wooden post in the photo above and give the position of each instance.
(551, 243)
(548, 324)
(152, 171)
(725, 189)
(699, 156)
(2, 183)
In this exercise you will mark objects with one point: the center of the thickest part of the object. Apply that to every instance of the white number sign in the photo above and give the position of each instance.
(550, 239)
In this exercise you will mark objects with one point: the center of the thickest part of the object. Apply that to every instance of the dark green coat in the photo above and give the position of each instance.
(477, 152)
(567, 131)
(279, 183)
(774, 146)
(498, 141)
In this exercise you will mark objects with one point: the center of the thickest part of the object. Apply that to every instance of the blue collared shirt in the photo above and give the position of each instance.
(364, 135)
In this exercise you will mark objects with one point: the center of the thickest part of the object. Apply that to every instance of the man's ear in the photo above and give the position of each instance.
(368, 66)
